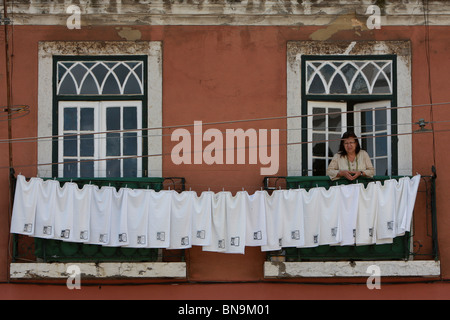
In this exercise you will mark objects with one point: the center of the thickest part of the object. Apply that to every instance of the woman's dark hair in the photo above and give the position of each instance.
(346, 135)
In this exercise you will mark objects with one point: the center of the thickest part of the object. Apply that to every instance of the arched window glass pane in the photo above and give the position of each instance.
(317, 86)
(100, 77)
(360, 85)
(338, 85)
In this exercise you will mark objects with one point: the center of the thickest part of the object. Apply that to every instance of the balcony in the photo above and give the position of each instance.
(418, 248)
(47, 258)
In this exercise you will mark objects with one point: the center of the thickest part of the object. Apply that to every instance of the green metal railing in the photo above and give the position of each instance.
(401, 248)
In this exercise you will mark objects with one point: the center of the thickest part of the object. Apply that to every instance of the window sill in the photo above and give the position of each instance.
(419, 268)
(105, 270)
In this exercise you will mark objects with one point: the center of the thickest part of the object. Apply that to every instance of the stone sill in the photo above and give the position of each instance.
(107, 270)
(420, 268)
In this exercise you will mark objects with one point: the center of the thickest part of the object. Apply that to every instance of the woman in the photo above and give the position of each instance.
(351, 162)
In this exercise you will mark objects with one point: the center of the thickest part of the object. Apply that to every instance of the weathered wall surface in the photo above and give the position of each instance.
(234, 69)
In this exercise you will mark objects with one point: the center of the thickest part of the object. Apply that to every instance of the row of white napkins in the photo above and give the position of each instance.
(219, 222)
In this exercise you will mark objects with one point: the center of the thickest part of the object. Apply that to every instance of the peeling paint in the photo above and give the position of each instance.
(419, 268)
(230, 12)
(129, 34)
(341, 23)
(400, 48)
(99, 270)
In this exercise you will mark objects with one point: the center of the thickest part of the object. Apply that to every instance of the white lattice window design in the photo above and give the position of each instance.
(100, 77)
(349, 77)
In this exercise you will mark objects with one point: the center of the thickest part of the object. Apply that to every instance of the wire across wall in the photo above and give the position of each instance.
(102, 135)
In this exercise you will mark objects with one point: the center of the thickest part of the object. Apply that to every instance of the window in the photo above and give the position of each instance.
(343, 93)
(356, 74)
(100, 104)
(82, 144)
(372, 121)
(78, 73)
(327, 124)
(85, 87)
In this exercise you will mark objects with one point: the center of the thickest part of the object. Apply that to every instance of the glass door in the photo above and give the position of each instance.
(327, 121)
(372, 125)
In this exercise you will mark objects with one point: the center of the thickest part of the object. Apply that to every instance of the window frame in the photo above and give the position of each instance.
(358, 131)
(84, 98)
(100, 138)
(311, 131)
(352, 98)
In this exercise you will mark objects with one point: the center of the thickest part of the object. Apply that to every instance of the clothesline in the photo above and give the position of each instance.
(217, 221)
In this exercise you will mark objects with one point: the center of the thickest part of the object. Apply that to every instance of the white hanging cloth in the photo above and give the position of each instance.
(24, 210)
(401, 205)
(159, 219)
(412, 195)
(386, 215)
(100, 215)
(82, 200)
(291, 215)
(311, 216)
(119, 218)
(45, 209)
(349, 195)
(181, 212)
(219, 222)
(137, 214)
(274, 222)
(367, 214)
(236, 218)
(201, 219)
(256, 219)
(329, 207)
(64, 212)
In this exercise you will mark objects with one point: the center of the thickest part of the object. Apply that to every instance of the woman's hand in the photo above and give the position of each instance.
(350, 175)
